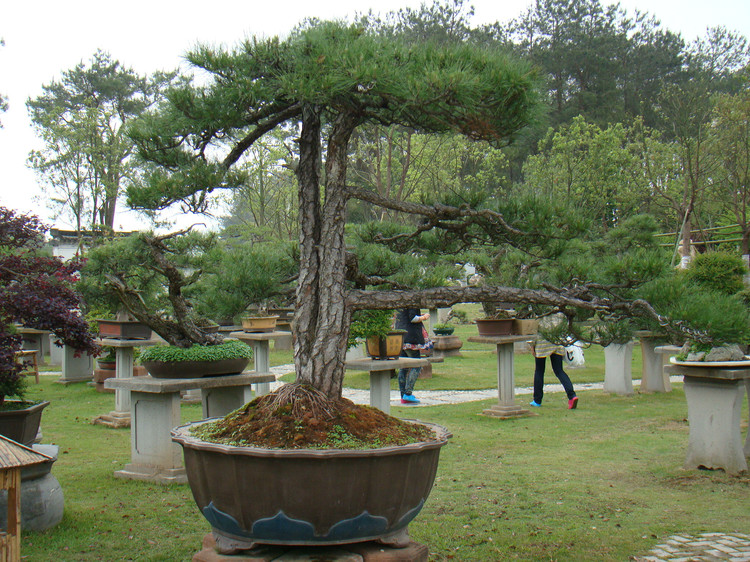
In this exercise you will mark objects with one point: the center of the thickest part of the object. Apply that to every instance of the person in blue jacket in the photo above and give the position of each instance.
(410, 320)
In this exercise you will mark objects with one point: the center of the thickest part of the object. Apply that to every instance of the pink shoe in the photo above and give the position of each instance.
(573, 403)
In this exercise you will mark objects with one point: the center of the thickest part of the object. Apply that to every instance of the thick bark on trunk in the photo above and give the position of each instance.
(322, 317)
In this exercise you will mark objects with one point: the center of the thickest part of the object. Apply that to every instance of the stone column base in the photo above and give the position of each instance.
(114, 419)
(507, 412)
(359, 552)
(155, 474)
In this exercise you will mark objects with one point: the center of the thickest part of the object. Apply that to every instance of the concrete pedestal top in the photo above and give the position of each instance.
(381, 371)
(506, 408)
(714, 397)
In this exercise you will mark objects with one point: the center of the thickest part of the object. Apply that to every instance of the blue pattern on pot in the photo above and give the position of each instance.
(282, 528)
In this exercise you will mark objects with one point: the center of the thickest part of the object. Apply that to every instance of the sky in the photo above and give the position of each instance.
(47, 37)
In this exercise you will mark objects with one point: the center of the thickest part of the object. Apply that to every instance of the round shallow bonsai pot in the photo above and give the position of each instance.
(194, 369)
(106, 364)
(252, 495)
(444, 331)
(22, 424)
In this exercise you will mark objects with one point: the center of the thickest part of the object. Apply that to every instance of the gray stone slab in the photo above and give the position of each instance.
(158, 386)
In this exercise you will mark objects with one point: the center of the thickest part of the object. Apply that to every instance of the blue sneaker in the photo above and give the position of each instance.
(409, 399)
(534, 403)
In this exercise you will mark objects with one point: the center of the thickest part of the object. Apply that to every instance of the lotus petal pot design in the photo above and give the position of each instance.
(252, 495)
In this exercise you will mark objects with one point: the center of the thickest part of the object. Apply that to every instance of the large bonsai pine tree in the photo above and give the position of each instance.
(329, 79)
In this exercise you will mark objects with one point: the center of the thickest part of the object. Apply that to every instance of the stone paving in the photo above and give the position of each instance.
(437, 397)
(704, 547)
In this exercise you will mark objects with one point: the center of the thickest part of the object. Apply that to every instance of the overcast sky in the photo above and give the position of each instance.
(45, 37)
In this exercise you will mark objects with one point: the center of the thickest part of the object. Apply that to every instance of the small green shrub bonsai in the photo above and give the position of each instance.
(370, 323)
(231, 349)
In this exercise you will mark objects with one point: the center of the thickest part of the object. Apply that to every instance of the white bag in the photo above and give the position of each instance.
(574, 355)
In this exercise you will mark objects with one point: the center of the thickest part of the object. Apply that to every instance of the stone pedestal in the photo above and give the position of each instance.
(55, 351)
(381, 372)
(506, 408)
(38, 340)
(652, 379)
(714, 397)
(124, 370)
(618, 368)
(155, 411)
(426, 372)
(261, 353)
(358, 552)
(76, 369)
(447, 346)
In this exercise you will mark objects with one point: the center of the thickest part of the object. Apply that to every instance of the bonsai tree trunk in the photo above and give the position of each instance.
(322, 316)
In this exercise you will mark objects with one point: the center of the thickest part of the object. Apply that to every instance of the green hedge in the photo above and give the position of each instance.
(228, 350)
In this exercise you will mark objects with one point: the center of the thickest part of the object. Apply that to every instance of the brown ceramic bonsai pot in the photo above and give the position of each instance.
(252, 495)
(194, 369)
(123, 330)
(22, 425)
(388, 347)
(494, 327)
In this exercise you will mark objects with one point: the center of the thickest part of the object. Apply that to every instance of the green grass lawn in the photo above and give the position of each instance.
(601, 482)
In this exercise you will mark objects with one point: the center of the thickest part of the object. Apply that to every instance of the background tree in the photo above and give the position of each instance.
(86, 157)
(264, 206)
(731, 138)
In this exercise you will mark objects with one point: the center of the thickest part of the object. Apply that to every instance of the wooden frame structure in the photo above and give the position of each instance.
(13, 457)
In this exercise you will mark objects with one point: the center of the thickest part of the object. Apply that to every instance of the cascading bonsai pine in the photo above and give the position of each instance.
(35, 291)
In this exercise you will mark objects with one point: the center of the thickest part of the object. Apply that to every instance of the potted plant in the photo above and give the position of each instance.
(499, 324)
(172, 362)
(36, 291)
(123, 329)
(443, 329)
(258, 319)
(375, 327)
(153, 278)
(307, 451)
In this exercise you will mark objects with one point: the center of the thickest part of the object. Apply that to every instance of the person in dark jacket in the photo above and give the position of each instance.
(410, 319)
